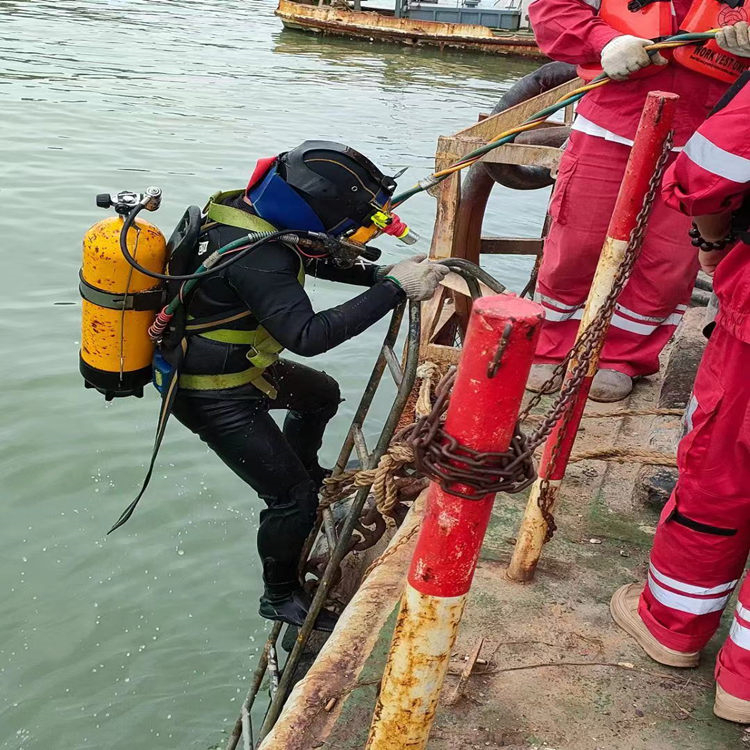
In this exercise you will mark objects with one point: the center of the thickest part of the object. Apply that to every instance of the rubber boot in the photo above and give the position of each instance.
(624, 610)
(728, 707)
(293, 610)
(538, 377)
(610, 385)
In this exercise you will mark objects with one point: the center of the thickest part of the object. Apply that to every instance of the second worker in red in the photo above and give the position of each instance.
(612, 34)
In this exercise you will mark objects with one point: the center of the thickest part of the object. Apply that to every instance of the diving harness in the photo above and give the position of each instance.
(135, 330)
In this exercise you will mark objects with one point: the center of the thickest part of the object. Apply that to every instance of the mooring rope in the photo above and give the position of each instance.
(627, 456)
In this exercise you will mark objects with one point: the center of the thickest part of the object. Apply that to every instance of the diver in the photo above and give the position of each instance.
(242, 317)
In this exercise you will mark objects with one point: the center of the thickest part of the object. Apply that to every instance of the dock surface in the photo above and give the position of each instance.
(553, 670)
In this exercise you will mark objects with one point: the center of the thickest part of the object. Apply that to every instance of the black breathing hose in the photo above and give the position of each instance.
(128, 223)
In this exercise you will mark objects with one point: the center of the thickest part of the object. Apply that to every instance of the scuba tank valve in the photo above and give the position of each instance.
(125, 201)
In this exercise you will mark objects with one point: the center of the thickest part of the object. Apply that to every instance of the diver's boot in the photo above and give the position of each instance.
(729, 707)
(293, 610)
(610, 385)
(539, 379)
(624, 609)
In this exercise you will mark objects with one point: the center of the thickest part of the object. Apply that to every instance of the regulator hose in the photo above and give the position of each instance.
(678, 40)
(203, 270)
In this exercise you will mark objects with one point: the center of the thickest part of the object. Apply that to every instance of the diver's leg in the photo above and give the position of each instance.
(245, 437)
(312, 398)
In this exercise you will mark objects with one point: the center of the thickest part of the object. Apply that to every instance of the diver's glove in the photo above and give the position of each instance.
(418, 277)
(626, 54)
(735, 39)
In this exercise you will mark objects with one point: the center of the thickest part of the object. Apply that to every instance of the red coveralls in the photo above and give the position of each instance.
(703, 537)
(591, 170)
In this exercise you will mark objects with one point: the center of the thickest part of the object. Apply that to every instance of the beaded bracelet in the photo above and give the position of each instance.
(697, 240)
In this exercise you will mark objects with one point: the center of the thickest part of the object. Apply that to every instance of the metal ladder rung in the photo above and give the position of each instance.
(393, 364)
(361, 446)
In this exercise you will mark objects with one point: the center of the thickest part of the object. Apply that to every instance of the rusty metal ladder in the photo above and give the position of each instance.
(404, 376)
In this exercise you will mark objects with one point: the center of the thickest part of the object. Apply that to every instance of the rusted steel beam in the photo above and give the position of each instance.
(510, 246)
(482, 415)
(653, 129)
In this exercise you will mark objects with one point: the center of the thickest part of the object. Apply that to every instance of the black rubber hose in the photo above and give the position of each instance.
(545, 78)
(128, 223)
(370, 253)
(470, 270)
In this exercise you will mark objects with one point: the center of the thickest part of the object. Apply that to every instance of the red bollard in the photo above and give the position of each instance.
(653, 129)
(482, 415)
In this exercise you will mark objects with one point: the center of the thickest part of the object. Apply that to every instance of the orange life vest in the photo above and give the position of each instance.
(652, 19)
(649, 19)
(709, 58)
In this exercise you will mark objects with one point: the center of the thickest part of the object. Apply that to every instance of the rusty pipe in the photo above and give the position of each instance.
(543, 79)
(476, 189)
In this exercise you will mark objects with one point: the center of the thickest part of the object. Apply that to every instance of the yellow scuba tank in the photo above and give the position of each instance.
(119, 302)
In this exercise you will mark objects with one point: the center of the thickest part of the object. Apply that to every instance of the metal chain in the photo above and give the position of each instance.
(589, 344)
(447, 462)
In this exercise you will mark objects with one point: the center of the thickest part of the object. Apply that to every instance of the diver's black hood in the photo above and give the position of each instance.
(343, 187)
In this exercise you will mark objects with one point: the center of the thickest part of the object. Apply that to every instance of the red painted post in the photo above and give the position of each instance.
(653, 129)
(482, 415)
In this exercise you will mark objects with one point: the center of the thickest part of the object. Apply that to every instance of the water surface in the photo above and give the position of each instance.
(146, 639)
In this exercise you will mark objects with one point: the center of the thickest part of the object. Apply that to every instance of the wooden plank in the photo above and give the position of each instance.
(515, 153)
(510, 153)
(457, 283)
(446, 318)
(448, 199)
(489, 128)
(511, 246)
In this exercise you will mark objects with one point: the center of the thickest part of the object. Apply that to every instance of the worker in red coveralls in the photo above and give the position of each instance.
(703, 538)
(589, 177)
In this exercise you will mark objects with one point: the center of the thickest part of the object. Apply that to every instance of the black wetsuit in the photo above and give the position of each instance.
(280, 465)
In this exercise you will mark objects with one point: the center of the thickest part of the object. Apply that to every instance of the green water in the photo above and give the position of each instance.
(146, 639)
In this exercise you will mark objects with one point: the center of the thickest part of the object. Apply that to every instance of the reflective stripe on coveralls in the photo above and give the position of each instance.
(587, 184)
(656, 296)
(703, 538)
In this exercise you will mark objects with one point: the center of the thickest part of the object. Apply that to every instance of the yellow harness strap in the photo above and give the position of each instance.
(222, 381)
(264, 349)
(233, 217)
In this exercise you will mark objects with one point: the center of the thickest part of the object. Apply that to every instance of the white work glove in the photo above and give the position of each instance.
(735, 39)
(418, 277)
(626, 54)
(382, 271)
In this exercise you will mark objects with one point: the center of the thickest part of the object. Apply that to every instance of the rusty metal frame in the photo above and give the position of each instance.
(462, 205)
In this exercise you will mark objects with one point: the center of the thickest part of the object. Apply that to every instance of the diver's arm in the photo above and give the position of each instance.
(266, 281)
(360, 274)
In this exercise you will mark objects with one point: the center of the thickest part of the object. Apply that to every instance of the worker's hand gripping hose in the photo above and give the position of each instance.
(507, 136)
(735, 39)
(627, 54)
